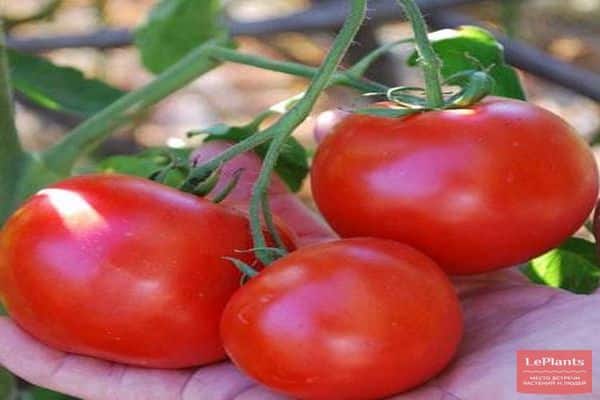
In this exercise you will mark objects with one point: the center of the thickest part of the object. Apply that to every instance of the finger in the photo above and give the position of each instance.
(472, 285)
(427, 392)
(326, 121)
(249, 162)
(260, 393)
(307, 225)
(94, 379)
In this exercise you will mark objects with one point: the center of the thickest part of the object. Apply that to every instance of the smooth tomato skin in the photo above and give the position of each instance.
(123, 269)
(475, 189)
(352, 319)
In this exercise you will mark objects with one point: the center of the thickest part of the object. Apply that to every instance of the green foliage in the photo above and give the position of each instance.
(8, 386)
(147, 163)
(292, 165)
(59, 88)
(37, 393)
(471, 48)
(175, 27)
(573, 266)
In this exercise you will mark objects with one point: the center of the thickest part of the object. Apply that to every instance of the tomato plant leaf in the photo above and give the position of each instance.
(146, 163)
(8, 386)
(292, 165)
(2, 310)
(573, 266)
(471, 47)
(59, 88)
(175, 27)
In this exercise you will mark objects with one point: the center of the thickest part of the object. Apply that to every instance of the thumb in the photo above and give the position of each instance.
(307, 225)
(248, 162)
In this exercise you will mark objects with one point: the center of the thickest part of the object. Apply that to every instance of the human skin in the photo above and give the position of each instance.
(503, 313)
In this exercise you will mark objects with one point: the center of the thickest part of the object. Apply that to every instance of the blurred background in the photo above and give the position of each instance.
(97, 34)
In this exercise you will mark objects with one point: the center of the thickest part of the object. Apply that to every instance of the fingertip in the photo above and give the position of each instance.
(250, 164)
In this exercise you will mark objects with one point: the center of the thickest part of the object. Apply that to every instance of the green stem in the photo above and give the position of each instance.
(429, 60)
(85, 137)
(290, 121)
(271, 228)
(341, 78)
(11, 152)
(348, 79)
(10, 144)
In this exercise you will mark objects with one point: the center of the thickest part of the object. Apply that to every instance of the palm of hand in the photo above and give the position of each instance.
(503, 313)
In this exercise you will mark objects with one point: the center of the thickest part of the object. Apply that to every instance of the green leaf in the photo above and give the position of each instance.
(471, 47)
(573, 266)
(292, 165)
(58, 88)
(175, 27)
(2, 311)
(37, 393)
(146, 163)
(8, 386)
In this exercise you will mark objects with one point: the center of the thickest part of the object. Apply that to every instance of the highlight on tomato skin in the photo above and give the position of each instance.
(123, 269)
(352, 319)
(476, 189)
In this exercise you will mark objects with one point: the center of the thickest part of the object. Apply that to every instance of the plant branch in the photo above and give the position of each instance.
(341, 78)
(9, 139)
(286, 125)
(11, 152)
(86, 136)
(428, 59)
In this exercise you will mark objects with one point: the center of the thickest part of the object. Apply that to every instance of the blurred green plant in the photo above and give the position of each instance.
(573, 266)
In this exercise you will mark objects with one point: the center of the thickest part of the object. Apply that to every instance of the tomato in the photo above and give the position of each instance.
(123, 269)
(476, 189)
(352, 319)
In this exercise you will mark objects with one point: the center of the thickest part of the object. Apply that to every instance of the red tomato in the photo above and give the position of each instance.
(476, 189)
(123, 269)
(350, 319)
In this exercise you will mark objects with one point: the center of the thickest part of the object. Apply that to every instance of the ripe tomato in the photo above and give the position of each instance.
(124, 269)
(351, 319)
(476, 189)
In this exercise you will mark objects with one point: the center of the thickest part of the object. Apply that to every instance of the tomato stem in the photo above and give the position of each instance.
(428, 59)
(273, 231)
(292, 68)
(290, 121)
(86, 136)
(11, 152)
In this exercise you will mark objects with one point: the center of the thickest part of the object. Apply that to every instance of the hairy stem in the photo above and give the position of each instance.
(429, 60)
(90, 133)
(291, 68)
(286, 125)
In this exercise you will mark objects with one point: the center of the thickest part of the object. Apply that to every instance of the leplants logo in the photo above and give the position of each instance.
(554, 371)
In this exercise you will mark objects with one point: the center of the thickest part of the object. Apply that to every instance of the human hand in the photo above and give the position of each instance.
(503, 313)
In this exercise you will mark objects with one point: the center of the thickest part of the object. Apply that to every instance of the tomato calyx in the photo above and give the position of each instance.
(174, 162)
(474, 86)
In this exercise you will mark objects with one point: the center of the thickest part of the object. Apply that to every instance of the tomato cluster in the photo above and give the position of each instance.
(128, 270)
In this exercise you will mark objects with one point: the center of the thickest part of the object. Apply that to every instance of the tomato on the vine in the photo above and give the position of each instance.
(476, 189)
(123, 269)
(351, 319)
